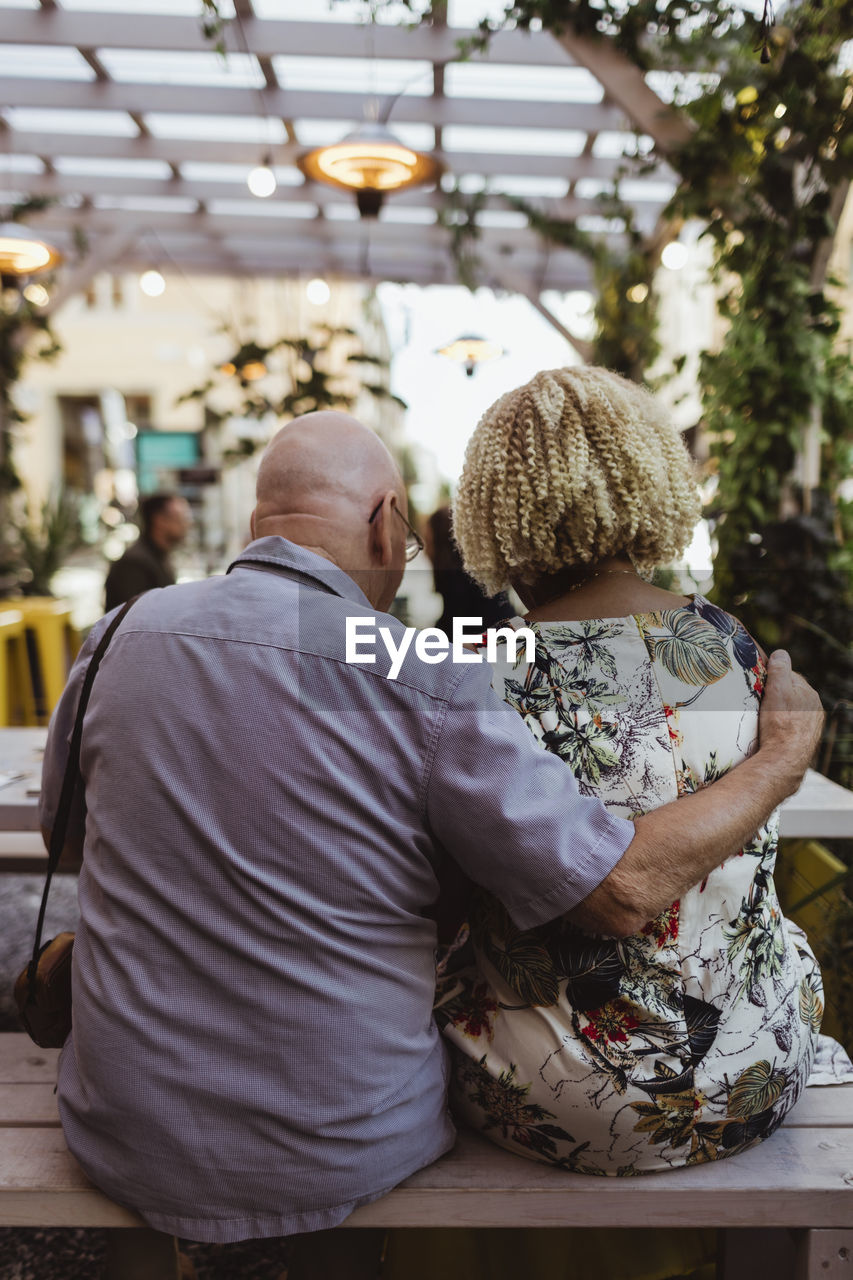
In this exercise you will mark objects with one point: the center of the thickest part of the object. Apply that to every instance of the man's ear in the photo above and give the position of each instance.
(381, 543)
(252, 525)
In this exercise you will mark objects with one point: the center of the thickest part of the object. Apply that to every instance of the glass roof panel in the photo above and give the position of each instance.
(544, 84)
(518, 185)
(392, 212)
(355, 75)
(681, 86)
(252, 208)
(596, 224)
(341, 212)
(44, 62)
(323, 133)
(468, 13)
(508, 184)
(171, 7)
(537, 142)
(161, 66)
(147, 204)
(611, 144)
(116, 124)
(20, 164)
(503, 218)
(648, 189)
(264, 130)
(111, 167)
(331, 11)
(203, 171)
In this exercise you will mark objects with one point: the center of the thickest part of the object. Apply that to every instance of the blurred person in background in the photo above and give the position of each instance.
(165, 520)
(461, 596)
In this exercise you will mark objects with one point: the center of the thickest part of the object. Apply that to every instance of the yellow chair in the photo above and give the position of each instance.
(53, 645)
(17, 705)
(808, 874)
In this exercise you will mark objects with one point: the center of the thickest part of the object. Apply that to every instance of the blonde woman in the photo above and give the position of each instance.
(691, 1040)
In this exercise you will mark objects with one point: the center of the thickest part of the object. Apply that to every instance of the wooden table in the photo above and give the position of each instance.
(21, 753)
(819, 809)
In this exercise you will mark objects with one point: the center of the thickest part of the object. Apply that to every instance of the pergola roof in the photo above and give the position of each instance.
(144, 136)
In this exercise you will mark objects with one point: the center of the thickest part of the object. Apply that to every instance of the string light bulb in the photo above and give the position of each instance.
(152, 284)
(261, 180)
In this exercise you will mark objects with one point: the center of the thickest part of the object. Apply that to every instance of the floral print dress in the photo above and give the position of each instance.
(690, 1040)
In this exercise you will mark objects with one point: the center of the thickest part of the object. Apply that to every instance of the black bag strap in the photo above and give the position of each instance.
(69, 784)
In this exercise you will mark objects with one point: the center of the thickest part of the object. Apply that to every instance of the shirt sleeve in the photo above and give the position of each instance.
(511, 813)
(59, 738)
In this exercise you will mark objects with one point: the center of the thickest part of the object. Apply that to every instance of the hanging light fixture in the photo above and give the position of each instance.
(469, 351)
(24, 252)
(371, 162)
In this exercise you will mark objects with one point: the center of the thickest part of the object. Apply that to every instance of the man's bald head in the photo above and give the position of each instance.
(320, 479)
(318, 462)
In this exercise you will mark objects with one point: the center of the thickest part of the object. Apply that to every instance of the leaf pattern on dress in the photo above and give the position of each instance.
(582, 647)
(810, 1005)
(527, 970)
(756, 1089)
(702, 1020)
(693, 651)
(589, 749)
(690, 1040)
(592, 967)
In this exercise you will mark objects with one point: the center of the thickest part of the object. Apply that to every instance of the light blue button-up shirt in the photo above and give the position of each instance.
(253, 1051)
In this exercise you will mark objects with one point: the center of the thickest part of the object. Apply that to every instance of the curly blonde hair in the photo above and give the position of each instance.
(576, 465)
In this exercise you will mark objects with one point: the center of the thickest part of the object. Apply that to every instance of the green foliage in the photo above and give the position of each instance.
(213, 26)
(44, 540)
(302, 363)
(766, 167)
(459, 217)
(625, 302)
(24, 334)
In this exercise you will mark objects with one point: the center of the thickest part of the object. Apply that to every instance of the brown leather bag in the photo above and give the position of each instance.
(43, 988)
(44, 1007)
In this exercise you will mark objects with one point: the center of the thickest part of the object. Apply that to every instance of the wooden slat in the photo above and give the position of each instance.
(310, 104)
(792, 1180)
(41, 1185)
(22, 1062)
(266, 38)
(27, 1106)
(823, 1106)
(35, 1104)
(825, 1255)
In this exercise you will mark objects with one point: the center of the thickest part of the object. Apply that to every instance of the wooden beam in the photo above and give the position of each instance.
(91, 58)
(330, 197)
(624, 84)
(77, 278)
(71, 95)
(183, 150)
(513, 280)
(276, 226)
(269, 37)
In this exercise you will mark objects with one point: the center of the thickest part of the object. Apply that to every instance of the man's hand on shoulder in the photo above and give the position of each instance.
(790, 723)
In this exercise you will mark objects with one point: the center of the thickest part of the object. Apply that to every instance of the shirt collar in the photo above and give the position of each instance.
(293, 561)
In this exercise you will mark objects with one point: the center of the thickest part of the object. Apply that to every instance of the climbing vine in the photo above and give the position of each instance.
(766, 168)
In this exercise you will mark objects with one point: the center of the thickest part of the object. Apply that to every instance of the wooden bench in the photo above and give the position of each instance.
(786, 1207)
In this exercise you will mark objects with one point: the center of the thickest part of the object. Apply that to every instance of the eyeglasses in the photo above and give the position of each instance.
(414, 541)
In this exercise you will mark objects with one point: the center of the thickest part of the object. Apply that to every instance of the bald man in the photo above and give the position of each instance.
(253, 1051)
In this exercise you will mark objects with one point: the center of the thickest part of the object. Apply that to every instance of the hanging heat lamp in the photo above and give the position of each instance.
(470, 350)
(370, 162)
(24, 253)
